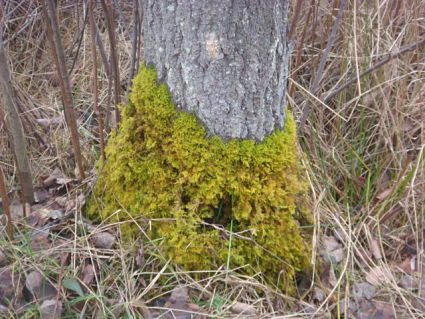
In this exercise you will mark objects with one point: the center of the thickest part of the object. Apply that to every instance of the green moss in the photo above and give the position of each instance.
(160, 165)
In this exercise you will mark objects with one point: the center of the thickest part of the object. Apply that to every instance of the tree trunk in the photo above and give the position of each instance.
(226, 61)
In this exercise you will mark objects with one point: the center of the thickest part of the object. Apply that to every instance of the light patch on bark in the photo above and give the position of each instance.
(212, 45)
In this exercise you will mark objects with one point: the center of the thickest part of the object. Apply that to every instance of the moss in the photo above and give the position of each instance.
(161, 165)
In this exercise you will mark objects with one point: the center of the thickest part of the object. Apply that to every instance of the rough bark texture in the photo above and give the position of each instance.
(226, 61)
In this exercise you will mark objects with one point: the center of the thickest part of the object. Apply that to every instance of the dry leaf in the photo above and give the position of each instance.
(363, 290)
(375, 249)
(384, 194)
(243, 308)
(51, 309)
(330, 243)
(49, 181)
(408, 265)
(39, 286)
(51, 122)
(408, 282)
(375, 310)
(103, 240)
(379, 275)
(179, 295)
(16, 210)
(140, 258)
(347, 308)
(178, 304)
(41, 195)
(332, 250)
(419, 302)
(318, 294)
(40, 241)
(10, 287)
(332, 278)
(3, 258)
(88, 274)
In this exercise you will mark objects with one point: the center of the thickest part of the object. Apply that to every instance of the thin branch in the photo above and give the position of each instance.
(134, 42)
(95, 84)
(110, 21)
(16, 129)
(65, 83)
(6, 205)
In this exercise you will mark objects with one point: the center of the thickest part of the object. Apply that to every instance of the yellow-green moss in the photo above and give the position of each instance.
(161, 165)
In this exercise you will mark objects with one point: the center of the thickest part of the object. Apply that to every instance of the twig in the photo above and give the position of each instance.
(6, 205)
(80, 41)
(110, 18)
(319, 74)
(95, 86)
(65, 83)
(134, 42)
(15, 128)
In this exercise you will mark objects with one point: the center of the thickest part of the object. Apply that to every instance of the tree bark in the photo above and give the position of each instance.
(226, 61)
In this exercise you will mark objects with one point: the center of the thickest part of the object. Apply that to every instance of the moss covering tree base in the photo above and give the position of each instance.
(161, 166)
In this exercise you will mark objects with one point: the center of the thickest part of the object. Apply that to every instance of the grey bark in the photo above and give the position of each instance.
(15, 128)
(226, 61)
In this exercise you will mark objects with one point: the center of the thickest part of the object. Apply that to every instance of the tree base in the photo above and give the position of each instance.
(213, 203)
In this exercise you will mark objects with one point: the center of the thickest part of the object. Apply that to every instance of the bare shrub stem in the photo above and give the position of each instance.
(65, 83)
(16, 129)
(95, 82)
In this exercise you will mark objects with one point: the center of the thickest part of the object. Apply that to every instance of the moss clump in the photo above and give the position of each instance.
(161, 165)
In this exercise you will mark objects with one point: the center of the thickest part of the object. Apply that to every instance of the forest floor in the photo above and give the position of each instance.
(362, 146)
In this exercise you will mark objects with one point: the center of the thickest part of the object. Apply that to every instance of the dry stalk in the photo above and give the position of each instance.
(319, 74)
(16, 130)
(6, 205)
(65, 83)
(95, 82)
(108, 8)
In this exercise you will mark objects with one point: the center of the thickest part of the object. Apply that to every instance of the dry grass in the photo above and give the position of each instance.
(364, 153)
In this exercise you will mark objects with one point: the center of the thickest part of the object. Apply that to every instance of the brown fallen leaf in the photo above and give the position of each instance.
(41, 194)
(50, 122)
(379, 275)
(243, 308)
(40, 241)
(384, 194)
(375, 249)
(318, 294)
(179, 305)
(16, 210)
(140, 257)
(3, 258)
(332, 250)
(363, 291)
(104, 240)
(40, 288)
(51, 309)
(408, 265)
(51, 179)
(375, 310)
(10, 287)
(419, 302)
(408, 282)
(347, 308)
(88, 274)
